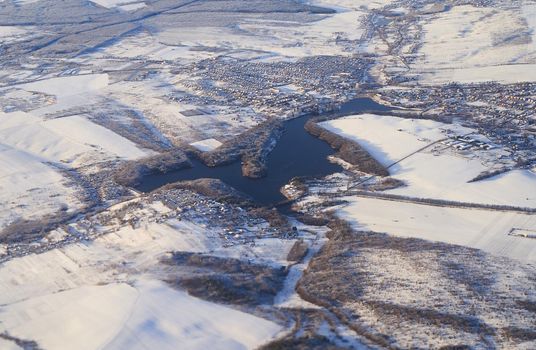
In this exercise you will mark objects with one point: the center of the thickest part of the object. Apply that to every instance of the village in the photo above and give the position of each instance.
(231, 223)
(464, 143)
(273, 90)
(502, 113)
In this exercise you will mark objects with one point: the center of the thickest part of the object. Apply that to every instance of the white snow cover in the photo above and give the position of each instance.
(69, 85)
(347, 5)
(481, 229)
(529, 13)
(147, 315)
(29, 188)
(109, 3)
(109, 292)
(257, 38)
(147, 98)
(72, 140)
(476, 44)
(428, 175)
(125, 5)
(507, 73)
(100, 261)
(144, 44)
(133, 7)
(206, 145)
(443, 176)
(8, 345)
(22, 2)
(7, 32)
(69, 91)
(33, 150)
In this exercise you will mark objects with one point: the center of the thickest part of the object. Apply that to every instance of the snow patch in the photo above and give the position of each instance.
(481, 229)
(206, 145)
(477, 44)
(145, 315)
(440, 174)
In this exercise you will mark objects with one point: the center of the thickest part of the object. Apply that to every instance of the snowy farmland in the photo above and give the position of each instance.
(73, 140)
(473, 44)
(412, 150)
(406, 146)
(69, 92)
(98, 96)
(31, 189)
(121, 4)
(111, 288)
(480, 229)
(145, 315)
(36, 151)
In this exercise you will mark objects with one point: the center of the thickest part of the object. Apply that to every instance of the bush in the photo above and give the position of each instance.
(519, 334)
(213, 188)
(252, 147)
(348, 150)
(273, 216)
(226, 280)
(298, 251)
(131, 173)
(22, 230)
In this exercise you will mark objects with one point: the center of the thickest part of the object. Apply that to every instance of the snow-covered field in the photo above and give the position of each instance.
(437, 172)
(146, 314)
(11, 33)
(111, 292)
(30, 189)
(86, 85)
(72, 140)
(22, 2)
(34, 149)
(146, 45)
(504, 73)
(348, 5)
(252, 38)
(481, 229)
(323, 37)
(474, 44)
(69, 91)
(206, 145)
(125, 5)
(148, 97)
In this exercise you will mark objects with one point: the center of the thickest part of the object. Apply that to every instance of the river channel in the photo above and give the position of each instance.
(297, 153)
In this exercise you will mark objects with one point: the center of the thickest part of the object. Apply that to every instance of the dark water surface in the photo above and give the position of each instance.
(297, 153)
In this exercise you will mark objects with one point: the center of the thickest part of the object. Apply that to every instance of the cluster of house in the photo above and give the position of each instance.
(232, 223)
(279, 88)
(464, 143)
